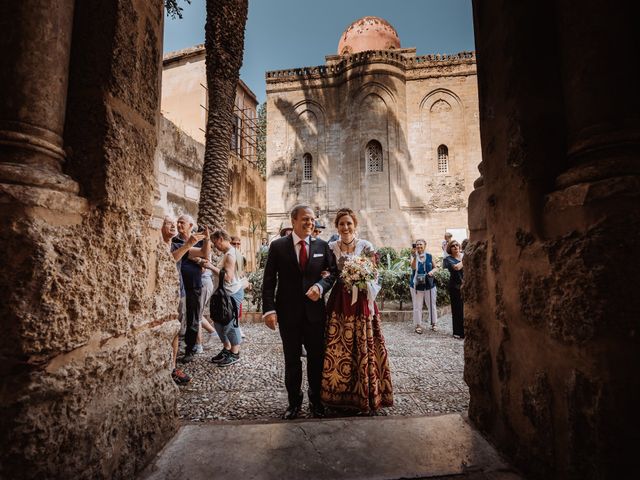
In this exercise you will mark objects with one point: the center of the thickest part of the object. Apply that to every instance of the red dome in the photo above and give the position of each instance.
(368, 33)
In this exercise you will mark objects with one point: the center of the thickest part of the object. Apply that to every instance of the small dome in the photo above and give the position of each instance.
(368, 33)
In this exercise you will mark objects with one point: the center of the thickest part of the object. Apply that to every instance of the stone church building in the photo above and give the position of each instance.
(379, 129)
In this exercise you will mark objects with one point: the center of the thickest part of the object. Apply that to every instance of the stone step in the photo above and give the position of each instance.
(371, 448)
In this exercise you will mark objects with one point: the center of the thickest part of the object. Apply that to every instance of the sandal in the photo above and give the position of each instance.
(419, 329)
(434, 328)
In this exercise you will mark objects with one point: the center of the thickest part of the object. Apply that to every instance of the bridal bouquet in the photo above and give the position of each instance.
(358, 272)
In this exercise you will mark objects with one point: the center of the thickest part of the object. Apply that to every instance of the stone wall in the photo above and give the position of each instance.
(410, 105)
(178, 161)
(178, 166)
(87, 294)
(552, 353)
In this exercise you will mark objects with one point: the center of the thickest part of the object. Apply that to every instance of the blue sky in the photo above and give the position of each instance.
(296, 33)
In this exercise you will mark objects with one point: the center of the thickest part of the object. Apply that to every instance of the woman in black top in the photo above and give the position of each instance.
(453, 263)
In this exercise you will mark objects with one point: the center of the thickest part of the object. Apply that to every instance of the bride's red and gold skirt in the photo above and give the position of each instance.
(356, 365)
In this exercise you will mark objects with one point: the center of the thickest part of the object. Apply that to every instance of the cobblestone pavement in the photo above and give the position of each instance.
(426, 374)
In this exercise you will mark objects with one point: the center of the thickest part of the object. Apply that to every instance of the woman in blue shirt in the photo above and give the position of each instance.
(422, 285)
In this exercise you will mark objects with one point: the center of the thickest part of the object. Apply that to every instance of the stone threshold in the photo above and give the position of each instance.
(372, 448)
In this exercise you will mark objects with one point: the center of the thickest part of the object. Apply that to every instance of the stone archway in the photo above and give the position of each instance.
(552, 345)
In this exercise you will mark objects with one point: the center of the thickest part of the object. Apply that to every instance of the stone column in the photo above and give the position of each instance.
(551, 345)
(601, 109)
(88, 296)
(33, 78)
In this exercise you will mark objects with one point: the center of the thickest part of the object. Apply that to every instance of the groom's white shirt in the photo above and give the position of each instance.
(296, 244)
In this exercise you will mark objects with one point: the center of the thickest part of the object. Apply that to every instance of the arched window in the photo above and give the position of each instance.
(443, 159)
(373, 156)
(307, 168)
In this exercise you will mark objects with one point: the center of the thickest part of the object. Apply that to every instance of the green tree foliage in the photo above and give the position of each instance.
(261, 139)
(174, 10)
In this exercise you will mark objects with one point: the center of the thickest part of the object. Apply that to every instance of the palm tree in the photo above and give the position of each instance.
(224, 44)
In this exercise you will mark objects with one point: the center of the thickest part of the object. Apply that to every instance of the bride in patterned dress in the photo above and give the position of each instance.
(356, 372)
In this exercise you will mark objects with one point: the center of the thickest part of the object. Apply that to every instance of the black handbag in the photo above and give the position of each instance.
(222, 307)
(421, 279)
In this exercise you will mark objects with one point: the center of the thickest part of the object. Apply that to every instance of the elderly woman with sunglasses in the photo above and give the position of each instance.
(453, 263)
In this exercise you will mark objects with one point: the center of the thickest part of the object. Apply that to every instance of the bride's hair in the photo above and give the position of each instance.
(346, 211)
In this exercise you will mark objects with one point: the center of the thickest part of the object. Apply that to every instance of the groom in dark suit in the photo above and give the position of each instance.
(294, 265)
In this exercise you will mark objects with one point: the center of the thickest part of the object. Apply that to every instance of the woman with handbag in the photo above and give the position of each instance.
(453, 263)
(422, 285)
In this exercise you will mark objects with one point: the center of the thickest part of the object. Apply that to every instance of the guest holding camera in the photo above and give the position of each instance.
(453, 263)
(422, 285)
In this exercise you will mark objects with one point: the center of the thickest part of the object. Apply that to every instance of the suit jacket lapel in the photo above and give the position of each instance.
(292, 252)
(312, 250)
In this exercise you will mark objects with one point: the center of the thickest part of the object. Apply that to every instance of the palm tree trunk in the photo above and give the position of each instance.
(224, 44)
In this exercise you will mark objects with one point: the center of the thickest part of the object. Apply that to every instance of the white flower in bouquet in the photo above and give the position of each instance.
(357, 271)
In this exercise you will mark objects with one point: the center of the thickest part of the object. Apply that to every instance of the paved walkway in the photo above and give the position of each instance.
(426, 374)
(232, 427)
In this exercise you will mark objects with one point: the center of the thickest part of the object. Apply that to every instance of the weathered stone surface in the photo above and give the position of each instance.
(178, 167)
(87, 293)
(80, 399)
(442, 447)
(552, 319)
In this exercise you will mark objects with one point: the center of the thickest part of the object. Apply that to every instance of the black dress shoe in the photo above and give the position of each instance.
(292, 412)
(317, 410)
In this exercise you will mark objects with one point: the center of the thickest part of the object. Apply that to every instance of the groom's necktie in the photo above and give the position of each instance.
(303, 254)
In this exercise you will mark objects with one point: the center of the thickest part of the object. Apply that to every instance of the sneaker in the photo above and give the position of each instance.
(220, 356)
(229, 359)
(188, 357)
(180, 377)
(198, 348)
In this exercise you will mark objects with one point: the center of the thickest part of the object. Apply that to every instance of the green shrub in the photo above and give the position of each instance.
(442, 280)
(394, 276)
(261, 258)
(406, 253)
(255, 294)
(388, 256)
(394, 270)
